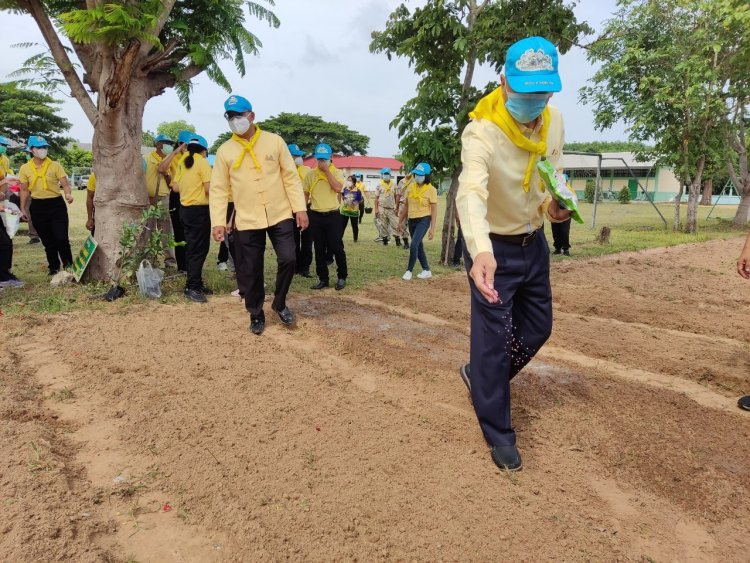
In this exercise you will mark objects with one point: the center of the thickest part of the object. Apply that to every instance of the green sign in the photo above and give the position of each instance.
(84, 257)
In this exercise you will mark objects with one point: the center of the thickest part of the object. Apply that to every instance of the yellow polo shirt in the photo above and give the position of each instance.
(91, 186)
(262, 198)
(4, 166)
(490, 197)
(35, 178)
(323, 197)
(191, 180)
(302, 170)
(420, 199)
(153, 177)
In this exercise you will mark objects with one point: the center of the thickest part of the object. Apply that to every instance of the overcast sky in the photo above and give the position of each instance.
(318, 62)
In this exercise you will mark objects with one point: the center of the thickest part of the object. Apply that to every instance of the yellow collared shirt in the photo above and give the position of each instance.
(323, 197)
(191, 181)
(490, 197)
(302, 170)
(55, 173)
(262, 198)
(153, 177)
(420, 206)
(4, 166)
(91, 185)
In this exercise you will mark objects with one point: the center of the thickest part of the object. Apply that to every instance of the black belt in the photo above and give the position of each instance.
(521, 240)
(325, 212)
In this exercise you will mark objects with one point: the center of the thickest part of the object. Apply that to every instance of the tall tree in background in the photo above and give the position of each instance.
(444, 41)
(28, 112)
(665, 67)
(172, 128)
(309, 130)
(130, 52)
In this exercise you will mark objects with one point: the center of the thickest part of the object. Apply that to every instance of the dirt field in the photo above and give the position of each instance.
(170, 433)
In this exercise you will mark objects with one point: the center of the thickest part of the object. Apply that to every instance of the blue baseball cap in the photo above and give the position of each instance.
(162, 138)
(422, 169)
(35, 141)
(185, 136)
(4, 141)
(323, 152)
(237, 104)
(295, 150)
(199, 140)
(531, 66)
(385, 171)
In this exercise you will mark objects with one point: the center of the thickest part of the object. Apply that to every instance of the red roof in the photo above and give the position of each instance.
(362, 162)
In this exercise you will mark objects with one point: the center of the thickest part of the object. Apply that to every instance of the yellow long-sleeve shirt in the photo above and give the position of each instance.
(262, 198)
(490, 197)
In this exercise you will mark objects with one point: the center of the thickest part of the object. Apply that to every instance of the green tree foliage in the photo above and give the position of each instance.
(590, 190)
(624, 195)
(607, 146)
(664, 68)
(309, 130)
(172, 128)
(29, 112)
(76, 157)
(147, 138)
(444, 41)
(223, 138)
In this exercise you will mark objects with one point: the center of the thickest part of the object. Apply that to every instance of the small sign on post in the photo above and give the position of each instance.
(84, 257)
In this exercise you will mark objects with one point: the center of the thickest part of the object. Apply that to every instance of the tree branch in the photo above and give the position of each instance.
(153, 61)
(57, 49)
(118, 83)
(190, 71)
(167, 6)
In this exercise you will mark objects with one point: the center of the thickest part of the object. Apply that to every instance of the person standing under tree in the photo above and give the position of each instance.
(159, 192)
(268, 200)
(502, 208)
(743, 269)
(41, 179)
(421, 207)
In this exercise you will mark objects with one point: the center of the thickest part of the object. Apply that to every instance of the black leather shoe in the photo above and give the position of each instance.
(286, 316)
(195, 295)
(506, 458)
(206, 290)
(340, 284)
(464, 371)
(557, 252)
(257, 326)
(305, 274)
(566, 252)
(744, 403)
(320, 285)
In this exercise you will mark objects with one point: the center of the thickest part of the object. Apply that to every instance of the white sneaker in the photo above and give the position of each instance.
(406, 276)
(424, 275)
(222, 267)
(235, 293)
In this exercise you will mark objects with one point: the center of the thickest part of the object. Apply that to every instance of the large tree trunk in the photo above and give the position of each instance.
(121, 193)
(694, 192)
(677, 207)
(742, 216)
(708, 190)
(449, 237)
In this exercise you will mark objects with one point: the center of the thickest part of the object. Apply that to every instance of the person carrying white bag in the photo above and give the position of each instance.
(11, 216)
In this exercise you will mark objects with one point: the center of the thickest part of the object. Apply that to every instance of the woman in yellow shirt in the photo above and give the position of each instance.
(421, 205)
(192, 181)
(41, 179)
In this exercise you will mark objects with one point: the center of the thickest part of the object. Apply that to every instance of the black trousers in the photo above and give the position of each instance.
(361, 211)
(327, 236)
(303, 249)
(196, 222)
(355, 221)
(250, 248)
(6, 255)
(50, 218)
(458, 249)
(561, 235)
(179, 232)
(225, 248)
(506, 335)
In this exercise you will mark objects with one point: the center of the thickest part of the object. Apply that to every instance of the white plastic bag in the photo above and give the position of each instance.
(11, 218)
(149, 280)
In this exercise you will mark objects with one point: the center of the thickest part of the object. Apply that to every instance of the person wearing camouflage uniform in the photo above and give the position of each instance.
(385, 207)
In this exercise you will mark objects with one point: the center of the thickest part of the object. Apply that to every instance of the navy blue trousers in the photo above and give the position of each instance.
(506, 335)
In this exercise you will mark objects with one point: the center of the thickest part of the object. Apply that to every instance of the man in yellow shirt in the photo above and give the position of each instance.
(302, 238)
(322, 188)
(502, 204)
(158, 192)
(41, 179)
(268, 200)
(4, 160)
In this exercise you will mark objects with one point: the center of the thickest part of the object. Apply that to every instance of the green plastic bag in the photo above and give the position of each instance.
(559, 188)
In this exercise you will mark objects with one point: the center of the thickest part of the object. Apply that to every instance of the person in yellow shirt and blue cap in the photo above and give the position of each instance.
(41, 179)
(502, 203)
(268, 201)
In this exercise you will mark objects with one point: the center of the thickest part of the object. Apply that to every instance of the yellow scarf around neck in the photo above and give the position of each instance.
(417, 195)
(321, 177)
(41, 175)
(387, 187)
(247, 147)
(492, 108)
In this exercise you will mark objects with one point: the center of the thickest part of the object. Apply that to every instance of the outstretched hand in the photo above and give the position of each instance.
(483, 273)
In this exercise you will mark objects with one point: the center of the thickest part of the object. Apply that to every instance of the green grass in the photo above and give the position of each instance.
(634, 227)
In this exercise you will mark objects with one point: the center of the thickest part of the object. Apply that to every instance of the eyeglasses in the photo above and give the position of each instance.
(232, 114)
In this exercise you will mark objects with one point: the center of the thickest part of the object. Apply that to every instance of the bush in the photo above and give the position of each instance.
(590, 190)
(624, 196)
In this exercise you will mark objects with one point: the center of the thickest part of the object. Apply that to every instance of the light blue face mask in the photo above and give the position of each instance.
(386, 177)
(526, 107)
